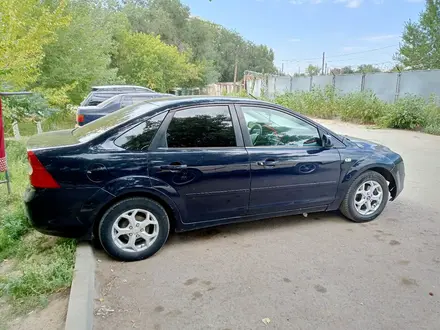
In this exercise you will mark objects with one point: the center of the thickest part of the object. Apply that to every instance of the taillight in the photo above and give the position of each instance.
(79, 118)
(38, 175)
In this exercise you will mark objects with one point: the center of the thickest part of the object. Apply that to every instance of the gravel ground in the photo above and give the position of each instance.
(320, 272)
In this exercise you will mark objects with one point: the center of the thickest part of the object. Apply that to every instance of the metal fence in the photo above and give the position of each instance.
(387, 86)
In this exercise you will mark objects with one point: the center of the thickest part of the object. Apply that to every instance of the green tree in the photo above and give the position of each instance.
(420, 47)
(82, 54)
(25, 27)
(145, 60)
(347, 70)
(313, 70)
(367, 68)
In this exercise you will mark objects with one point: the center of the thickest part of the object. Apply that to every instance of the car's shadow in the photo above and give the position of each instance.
(242, 228)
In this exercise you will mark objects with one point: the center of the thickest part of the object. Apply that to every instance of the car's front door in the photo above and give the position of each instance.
(290, 169)
(199, 160)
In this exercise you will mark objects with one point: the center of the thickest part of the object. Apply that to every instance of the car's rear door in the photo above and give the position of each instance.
(290, 169)
(199, 160)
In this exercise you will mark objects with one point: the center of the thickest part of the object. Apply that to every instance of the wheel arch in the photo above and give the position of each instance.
(172, 211)
(388, 176)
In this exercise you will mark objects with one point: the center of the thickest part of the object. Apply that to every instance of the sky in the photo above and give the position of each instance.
(350, 32)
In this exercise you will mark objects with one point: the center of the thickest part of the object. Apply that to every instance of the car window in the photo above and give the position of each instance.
(201, 128)
(101, 125)
(269, 127)
(139, 137)
(113, 99)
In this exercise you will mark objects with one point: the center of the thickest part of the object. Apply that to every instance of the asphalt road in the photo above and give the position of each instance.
(320, 272)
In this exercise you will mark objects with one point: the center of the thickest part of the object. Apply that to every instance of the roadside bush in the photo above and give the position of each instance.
(361, 107)
(316, 103)
(409, 112)
(406, 113)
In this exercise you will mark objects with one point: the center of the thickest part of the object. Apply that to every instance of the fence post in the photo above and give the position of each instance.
(274, 86)
(16, 130)
(363, 82)
(396, 96)
(291, 84)
(39, 129)
(311, 84)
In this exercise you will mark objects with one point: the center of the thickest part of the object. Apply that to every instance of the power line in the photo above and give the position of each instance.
(341, 55)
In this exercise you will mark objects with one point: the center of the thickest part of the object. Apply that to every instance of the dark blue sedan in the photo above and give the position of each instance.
(192, 162)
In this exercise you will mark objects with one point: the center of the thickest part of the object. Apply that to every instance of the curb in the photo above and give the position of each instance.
(80, 309)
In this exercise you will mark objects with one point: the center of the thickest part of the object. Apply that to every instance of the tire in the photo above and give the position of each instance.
(355, 213)
(134, 229)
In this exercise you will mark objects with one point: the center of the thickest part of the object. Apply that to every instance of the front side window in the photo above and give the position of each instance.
(268, 127)
(204, 127)
(139, 137)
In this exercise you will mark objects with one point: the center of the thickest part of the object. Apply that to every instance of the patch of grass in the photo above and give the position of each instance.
(409, 112)
(38, 265)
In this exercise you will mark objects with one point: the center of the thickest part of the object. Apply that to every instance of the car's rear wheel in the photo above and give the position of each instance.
(366, 198)
(134, 229)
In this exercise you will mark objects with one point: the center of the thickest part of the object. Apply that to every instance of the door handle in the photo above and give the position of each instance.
(267, 163)
(173, 167)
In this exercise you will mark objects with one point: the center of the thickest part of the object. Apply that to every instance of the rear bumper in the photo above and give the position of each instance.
(52, 212)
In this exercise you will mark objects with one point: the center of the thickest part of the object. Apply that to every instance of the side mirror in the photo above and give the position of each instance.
(327, 141)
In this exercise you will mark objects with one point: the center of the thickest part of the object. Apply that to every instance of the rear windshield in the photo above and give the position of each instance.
(95, 128)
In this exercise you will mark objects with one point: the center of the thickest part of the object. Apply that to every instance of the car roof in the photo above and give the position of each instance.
(145, 94)
(194, 100)
(97, 88)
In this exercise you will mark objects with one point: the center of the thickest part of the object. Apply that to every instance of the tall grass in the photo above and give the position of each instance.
(409, 112)
(32, 265)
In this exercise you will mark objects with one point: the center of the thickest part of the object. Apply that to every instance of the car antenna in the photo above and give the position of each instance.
(252, 96)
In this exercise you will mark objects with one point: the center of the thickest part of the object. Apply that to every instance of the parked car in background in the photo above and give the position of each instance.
(87, 114)
(192, 162)
(102, 93)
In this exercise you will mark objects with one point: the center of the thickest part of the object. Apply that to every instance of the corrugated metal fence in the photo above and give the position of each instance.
(387, 86)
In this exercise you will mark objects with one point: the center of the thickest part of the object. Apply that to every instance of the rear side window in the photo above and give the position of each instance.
(201, 128)
(126, 101)
(97, 127)
(139, 137)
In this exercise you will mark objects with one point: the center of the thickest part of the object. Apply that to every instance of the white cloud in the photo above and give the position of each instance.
(381, 37)
(350, 3)
(294, 40)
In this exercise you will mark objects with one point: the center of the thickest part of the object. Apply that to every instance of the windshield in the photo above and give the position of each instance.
(95, 128)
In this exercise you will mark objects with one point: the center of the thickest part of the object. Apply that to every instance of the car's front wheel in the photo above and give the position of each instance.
(134, 229)
(366, 198)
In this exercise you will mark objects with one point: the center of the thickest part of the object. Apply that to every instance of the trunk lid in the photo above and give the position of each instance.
(52, 139)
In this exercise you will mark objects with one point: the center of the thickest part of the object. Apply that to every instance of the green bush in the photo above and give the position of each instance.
(406, 113)
(361, 107)
(316, 103)
(409, 112)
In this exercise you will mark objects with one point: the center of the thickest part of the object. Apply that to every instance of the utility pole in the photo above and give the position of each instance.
(323, 61)
(282, 67)
(235, 73)
(299, 70)
(326, 72)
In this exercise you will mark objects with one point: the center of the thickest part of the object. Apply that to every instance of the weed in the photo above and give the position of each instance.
(409, 112)
(41, 264)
